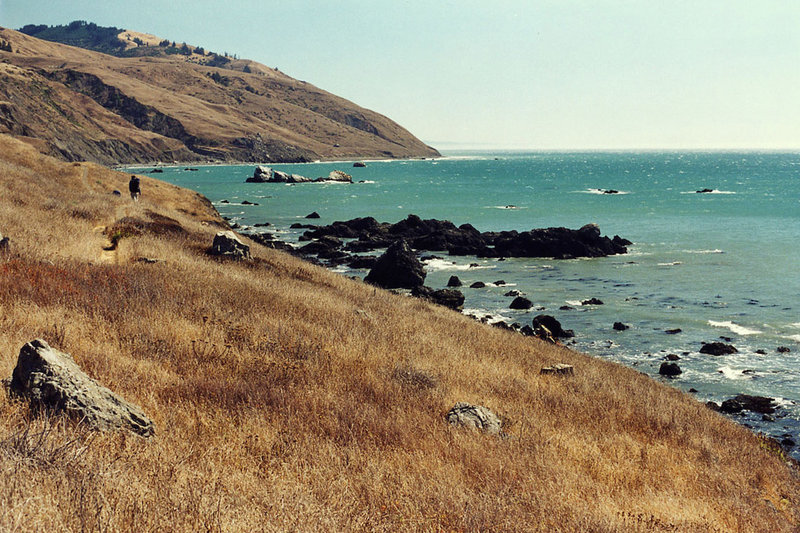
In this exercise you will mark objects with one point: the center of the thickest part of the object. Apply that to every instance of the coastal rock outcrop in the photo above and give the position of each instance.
(560, 369)
(553, 326)
(443, 235)
(520, 303)
(447, 297)
(52, 380)
(475, 417)
(397, 268)
(338, 175)
(670, 369)
(454, 281)
(228, 244)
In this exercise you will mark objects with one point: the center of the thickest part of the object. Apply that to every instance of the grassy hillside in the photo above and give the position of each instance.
(287, 397)
(79, 104)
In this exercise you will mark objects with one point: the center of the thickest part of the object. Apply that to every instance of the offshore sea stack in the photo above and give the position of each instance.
(443, 235)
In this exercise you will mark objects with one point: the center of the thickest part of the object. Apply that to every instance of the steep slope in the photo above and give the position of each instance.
(83, 105)
(289, 398)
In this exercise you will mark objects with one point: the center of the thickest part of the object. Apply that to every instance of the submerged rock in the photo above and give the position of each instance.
(52, 380)
(475, 417)
(397, 268)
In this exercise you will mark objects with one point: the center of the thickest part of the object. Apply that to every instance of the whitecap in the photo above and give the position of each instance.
(480, 313)
(366, 181)
(435, 265)
(795, 325)
(606, 192)
(715, 251)
(735, 328)
(732, 373)
(795, 338)
(575, 303)
(713, 191)
(674, 263)
(505, 207)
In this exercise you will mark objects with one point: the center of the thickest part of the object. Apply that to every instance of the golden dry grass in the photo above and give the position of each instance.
(288, 398)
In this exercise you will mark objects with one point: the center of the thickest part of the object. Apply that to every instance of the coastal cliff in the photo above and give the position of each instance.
(151, 104)
(289, 397)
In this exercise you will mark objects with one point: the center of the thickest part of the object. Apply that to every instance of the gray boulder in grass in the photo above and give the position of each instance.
(52, 380)
(476, 417)
(227, 243)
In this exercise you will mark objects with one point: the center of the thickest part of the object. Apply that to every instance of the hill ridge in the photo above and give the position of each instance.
(78, 104)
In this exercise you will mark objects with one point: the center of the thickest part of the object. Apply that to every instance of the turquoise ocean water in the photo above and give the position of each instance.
(720, 264)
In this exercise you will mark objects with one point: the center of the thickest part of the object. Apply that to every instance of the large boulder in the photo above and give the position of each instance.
(283, 177)
(397, 268)
(521, 303)
(475, 417)
(53, 381)
(227, 243)
(260, 175)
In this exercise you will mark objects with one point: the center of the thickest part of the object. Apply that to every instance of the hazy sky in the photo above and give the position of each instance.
(554, 74)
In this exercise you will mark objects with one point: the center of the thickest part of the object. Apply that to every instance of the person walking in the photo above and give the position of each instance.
(135, 189)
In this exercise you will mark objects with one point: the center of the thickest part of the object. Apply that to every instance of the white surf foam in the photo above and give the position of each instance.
(795, 338)
(674, 263)
(436, 265)
(715, 191)
(603, 191)
(735, 328)
(715, 251)
(732, 373)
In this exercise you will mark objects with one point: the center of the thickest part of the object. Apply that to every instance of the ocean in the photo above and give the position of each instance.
(719, 264)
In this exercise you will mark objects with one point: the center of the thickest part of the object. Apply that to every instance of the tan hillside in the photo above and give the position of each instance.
(289, 398)
(83, 105)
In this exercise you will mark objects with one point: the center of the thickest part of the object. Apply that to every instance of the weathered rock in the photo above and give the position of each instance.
(338, 175)
(397, 268)
(51, 380)
(756, 404)
(454, 281)
(227, 243)
(260, 175)
(313, 214)
(359, 164)
(670, 369)
(619, 326)
(731, 407)
(552, 325)
(673, 357)
(361, 261)
(478, 285)
(718, 348)
(447, 297)
(592, 301)
(475, 417)
(324, 246)
(559, 369)
(520, 302)
(284, 177)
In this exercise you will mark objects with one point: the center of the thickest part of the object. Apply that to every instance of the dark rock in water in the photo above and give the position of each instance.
(325, 245)
(454, 281)
(500, 282)
(714, 406)
(156, 171)
(227, 243)
(313, 215)
(783, 349)
(298, 225)
(717, 348)
(248, 202)
(513, 293)
(693, 390)
(475, 417)
(566, 308)
(731, 407)
(115, 192)
(224, 201)
(559, 243)
(673, 357)
(362, 261)
(397, 268)
(756, 404)
(51, 380)
(726, 339)
(520, 302)
(592, 301)
(447, 297)
(701, 191)
(477, 285)
(553, 326)
(610, 191)
(359, 164)
(619, 326)
(761, 352)
(786, 442)
(262, 225)
(670, 369)
(673, 331)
